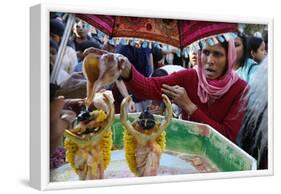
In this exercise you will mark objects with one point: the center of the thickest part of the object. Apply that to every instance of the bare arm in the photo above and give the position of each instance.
(124, 92)
(122, 88)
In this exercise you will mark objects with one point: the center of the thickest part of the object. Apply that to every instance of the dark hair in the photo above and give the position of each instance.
(243, 38)
(157, 53)
(57, 27)
(253, 44)
(54, 45)
(159, 72)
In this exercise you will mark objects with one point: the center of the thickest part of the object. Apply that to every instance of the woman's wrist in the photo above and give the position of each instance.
(126, 71)
(190, 109)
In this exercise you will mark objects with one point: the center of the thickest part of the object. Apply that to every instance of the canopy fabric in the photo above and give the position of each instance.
(178, 33)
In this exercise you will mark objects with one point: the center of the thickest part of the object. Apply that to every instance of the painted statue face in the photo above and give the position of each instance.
(239, 49)
(146, 120)
(214, 60)
(260, 54)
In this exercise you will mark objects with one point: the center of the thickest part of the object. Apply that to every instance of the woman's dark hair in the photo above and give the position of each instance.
(243, 38)
(253, 44)
(225, 46)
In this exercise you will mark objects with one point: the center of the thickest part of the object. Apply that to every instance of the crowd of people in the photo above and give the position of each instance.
(210, 86)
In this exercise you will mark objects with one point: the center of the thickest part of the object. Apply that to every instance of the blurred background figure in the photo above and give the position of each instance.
(69, 59)
(82, 37)
(142, 59)
(158, 57)
(107, 46)
(256, 49)
(53, 54)
(244, 66)
(253, 136)
(192, 56)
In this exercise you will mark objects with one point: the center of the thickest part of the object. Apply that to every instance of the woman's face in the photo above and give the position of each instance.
(214, 61)
(260, 54)
(239, 49)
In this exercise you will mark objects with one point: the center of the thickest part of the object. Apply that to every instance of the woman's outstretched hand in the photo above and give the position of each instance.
(179, 96)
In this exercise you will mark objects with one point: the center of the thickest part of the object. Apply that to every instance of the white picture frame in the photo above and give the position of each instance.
(39, 106)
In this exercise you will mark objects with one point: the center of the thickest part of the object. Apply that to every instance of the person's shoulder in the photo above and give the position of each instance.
(250, 62)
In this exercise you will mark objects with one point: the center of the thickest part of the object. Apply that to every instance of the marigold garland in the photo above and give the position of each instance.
(106, 145)
(130, 144)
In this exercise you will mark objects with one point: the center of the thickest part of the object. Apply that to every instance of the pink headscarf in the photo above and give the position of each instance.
(218, 87)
